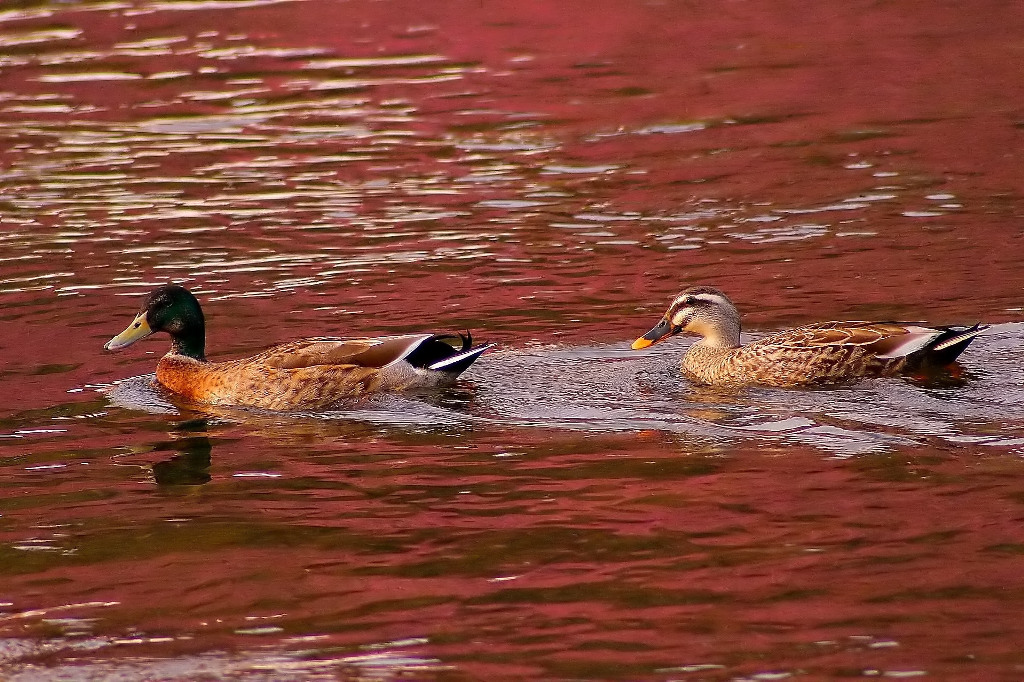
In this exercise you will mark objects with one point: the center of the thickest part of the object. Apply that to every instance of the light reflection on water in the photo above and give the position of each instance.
(256, 664)
(571, 509)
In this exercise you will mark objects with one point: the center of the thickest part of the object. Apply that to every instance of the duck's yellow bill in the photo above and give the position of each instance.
(661, 330)
(138, 329)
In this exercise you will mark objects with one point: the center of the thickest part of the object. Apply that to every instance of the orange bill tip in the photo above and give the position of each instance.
(641, 343)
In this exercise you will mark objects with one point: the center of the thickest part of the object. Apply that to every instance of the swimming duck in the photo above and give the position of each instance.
(312, 373)
(827, 352)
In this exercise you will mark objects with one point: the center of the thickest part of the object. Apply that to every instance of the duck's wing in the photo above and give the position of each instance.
(369, 353)
(884, 340)
(440, 352)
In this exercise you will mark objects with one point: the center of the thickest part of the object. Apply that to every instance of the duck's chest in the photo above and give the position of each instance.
(713, 366)
(194, 380)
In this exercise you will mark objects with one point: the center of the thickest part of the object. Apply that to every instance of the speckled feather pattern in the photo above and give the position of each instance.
(826, 352)
(302, 375)
(822, 353)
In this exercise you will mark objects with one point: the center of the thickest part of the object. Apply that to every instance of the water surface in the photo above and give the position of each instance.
(548, 178)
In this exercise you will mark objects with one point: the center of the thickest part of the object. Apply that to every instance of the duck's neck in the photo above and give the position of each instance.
(190, 343)
(722, 334)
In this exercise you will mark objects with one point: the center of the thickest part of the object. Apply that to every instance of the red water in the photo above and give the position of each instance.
(547, 175)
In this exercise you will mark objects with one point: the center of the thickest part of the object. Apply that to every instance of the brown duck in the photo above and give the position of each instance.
(827, 352)
(312, 373)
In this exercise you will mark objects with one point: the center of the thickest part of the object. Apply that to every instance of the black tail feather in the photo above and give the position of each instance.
(458, 363)
(951, 343)
(451, 353)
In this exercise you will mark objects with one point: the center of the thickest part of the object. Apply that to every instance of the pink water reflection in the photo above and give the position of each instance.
(547, 176)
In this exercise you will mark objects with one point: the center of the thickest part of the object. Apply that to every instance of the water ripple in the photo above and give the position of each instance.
(610, 389)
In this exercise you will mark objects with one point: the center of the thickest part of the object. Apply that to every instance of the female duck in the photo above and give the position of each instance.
(827, 352)
(309, 374)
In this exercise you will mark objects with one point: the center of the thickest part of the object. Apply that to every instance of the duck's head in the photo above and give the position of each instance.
(173, 309)
(704, 311)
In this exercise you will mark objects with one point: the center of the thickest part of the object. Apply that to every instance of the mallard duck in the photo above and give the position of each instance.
(312, 373)
(827, 352)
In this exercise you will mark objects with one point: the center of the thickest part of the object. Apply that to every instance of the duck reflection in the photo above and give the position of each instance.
(190, 467)
(191, 464)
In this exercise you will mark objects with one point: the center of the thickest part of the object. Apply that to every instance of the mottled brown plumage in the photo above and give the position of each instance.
(312, 373)
(827, 352)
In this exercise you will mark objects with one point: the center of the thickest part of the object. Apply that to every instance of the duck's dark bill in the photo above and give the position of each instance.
(138, 329)
(657, 334)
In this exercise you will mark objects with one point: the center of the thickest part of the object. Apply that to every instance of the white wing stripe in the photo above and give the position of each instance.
(959, 338)
(911, 343)
(459, 357)
(409, 349)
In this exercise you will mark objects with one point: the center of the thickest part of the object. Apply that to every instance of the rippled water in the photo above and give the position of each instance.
(548, 177)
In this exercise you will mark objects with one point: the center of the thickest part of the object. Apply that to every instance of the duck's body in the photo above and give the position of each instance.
(828, 352)
(312, 373)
